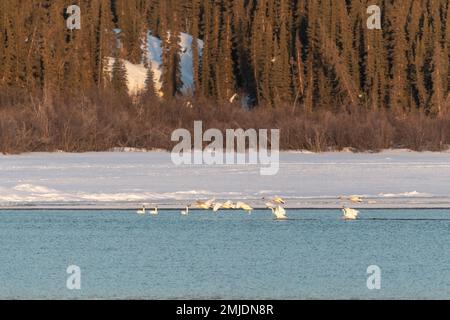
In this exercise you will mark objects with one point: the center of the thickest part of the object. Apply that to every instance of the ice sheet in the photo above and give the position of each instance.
(129, 179)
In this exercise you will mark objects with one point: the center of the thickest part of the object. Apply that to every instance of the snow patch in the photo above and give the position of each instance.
(404, 194)
(128, 149)
(33, 189)
(137, 73)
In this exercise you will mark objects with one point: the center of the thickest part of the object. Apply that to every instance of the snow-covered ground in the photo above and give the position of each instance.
(307, 180)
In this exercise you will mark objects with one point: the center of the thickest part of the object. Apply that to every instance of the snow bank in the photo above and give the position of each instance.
(123, 179)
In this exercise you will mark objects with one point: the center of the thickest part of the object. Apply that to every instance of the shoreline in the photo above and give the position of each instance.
(435, 203)
(133, 150)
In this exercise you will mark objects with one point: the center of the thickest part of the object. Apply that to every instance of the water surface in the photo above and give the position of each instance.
(229, 255)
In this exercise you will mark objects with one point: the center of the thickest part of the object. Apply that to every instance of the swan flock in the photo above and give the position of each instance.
(275, 204)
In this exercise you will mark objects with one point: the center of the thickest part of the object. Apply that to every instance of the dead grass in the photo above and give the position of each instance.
(101, 121)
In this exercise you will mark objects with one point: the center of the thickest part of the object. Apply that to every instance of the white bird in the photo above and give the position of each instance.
(185, 212)
(278, 200)
(205, 204)
(154, 212)
(142, 211)
(354, 199)
(278, 211)
(234, 97)
(244, 206)
(229, 205)
(349, 214)
(217, 206)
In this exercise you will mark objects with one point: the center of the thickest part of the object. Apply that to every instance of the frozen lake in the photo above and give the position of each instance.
(392, 179)
(228, 255)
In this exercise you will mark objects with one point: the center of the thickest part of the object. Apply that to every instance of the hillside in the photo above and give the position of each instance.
(137, 73)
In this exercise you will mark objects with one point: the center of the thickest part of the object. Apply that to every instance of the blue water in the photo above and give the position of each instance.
(229, 255)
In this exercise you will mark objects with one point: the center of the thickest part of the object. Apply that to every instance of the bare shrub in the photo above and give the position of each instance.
(99, 121)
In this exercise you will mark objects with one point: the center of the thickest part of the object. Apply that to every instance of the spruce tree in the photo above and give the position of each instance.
(119, 76)
(171, 50)
(150, 90)
(195, 47)
(224, 66)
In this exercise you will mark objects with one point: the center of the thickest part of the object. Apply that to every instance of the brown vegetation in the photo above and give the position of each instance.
(308, 67)
(102, 122)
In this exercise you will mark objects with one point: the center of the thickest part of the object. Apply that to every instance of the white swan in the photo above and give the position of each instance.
(205, 204)
(278, 211)
(278, 200)
(228, 205)
(244, 206)
(154, 212)
(354, 199)
(217, 206)
(185, 212)
(349, 214)
(142, 211)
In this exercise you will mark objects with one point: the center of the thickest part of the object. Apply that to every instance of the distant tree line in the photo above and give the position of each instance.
(309, 54)
(298, 60)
